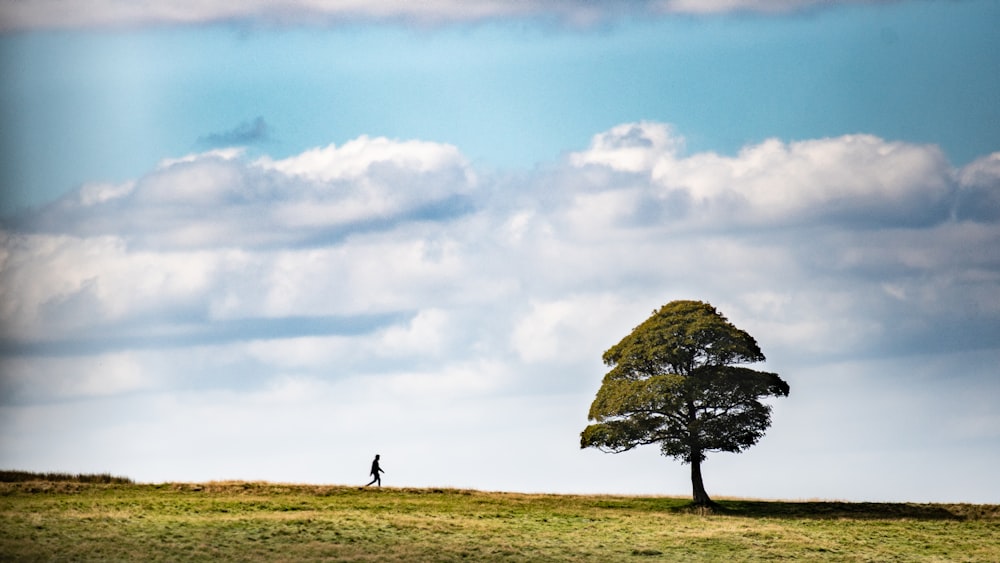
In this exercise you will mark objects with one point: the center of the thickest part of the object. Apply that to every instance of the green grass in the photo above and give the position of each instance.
(73, 520)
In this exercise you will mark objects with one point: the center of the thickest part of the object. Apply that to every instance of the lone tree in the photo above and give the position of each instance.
(674, 381)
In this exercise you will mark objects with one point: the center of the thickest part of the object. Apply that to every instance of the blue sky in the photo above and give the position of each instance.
(509, 93)
(263, 245)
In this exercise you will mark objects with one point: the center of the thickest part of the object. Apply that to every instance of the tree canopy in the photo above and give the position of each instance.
(675, 380)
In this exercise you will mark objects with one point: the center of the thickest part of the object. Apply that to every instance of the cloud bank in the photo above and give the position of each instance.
(388, 285)
(833, 239)
(40, 14)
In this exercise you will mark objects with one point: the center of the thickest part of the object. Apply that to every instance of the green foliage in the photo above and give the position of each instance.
(236, 521)
(674, 380)
(678, 338)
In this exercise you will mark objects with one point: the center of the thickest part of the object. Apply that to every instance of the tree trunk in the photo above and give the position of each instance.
(697, 485)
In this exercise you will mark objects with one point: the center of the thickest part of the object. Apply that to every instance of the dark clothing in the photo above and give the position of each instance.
(376, 478)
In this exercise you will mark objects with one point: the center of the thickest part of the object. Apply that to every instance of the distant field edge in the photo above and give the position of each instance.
(15, 476)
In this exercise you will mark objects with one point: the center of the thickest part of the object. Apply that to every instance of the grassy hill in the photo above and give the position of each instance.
(73, 520)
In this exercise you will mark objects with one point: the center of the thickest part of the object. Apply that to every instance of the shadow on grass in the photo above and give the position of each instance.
(852, 510)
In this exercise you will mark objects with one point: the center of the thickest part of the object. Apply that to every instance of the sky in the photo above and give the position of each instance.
(267, 241)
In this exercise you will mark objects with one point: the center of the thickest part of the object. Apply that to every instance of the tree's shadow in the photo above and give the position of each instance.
(849, 510)
(818, 510)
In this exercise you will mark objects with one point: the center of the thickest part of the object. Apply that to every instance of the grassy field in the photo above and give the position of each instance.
(73, 520)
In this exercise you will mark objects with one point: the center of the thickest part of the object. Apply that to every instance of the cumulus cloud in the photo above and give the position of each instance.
(384, 227)
(752, 6)
(175, 256)
(34, 14)
(979, 194)
(389, 274)
(871, 237)
(357, 158)
(67, 284)
(218, 198)
(858, 178)
(72, 377)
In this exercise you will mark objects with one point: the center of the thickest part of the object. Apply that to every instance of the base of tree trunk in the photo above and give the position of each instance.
(708, 503)
(698, 492)
(707, 508)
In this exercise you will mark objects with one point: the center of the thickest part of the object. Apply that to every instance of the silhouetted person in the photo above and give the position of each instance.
(376, 478)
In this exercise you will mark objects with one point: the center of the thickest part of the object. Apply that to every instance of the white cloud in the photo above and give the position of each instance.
(631, 147)
(979, 196)
(857, 177)
(421, 339)
(561, 330)
(215, 236)
(425, 335)
(33, 14)
(218, 199)
(43, 379)
(227, 153)
(91, 194)
(838, 254)
(53, 285)
(199, 182)
(725, 6)
(355, 159)
(372, 274)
